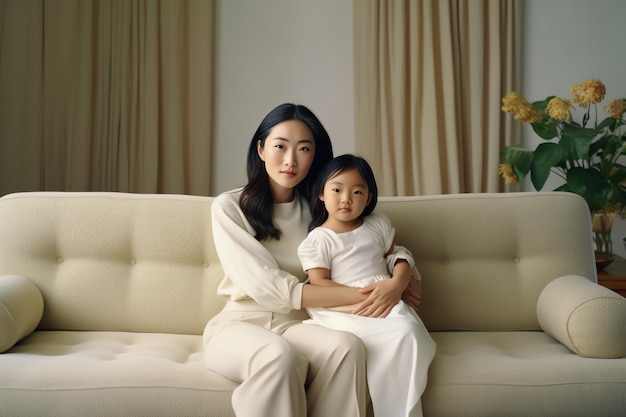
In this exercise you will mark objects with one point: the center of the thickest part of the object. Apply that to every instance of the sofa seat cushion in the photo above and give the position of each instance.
(68, 373)
(526, 373)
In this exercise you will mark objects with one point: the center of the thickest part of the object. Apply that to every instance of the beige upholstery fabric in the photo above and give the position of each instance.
(111, 374)
(114, 261)
(587, 318)
(485, 253)
(497, 374)
(21, 307)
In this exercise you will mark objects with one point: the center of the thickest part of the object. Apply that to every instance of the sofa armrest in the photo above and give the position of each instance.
(21, 308)
(584, 316)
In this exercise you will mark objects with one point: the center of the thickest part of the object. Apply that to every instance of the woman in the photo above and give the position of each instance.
(283, 367)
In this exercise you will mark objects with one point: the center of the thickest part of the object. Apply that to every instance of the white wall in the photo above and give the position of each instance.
(275, 51)
(568, 41)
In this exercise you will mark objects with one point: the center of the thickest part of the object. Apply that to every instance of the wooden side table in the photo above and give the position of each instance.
(614, 276)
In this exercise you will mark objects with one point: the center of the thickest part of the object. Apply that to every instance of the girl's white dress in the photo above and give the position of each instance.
(399, 348)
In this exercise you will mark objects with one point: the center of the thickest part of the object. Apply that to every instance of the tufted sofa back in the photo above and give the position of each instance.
(485, 258)
(114, 261)
(147, 263)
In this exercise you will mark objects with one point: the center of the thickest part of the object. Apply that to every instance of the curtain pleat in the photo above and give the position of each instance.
(118, 95)
(21, 92)
(429, 78)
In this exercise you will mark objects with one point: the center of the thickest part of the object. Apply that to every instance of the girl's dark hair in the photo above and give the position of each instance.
(256, 200)
(331, 170)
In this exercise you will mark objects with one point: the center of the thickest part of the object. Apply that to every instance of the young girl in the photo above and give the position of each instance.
(349, 246)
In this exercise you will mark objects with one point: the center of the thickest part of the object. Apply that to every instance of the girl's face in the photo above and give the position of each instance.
(288, 154)
(345, 196)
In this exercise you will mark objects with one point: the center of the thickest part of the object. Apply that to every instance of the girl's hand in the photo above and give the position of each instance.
(412, 296)
(382, 297)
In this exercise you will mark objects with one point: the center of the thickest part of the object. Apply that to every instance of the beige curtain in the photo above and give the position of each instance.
(429, 78)
(106, 95)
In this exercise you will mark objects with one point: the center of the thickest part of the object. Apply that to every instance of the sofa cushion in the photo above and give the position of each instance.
(21, 307)
(485, 258)
(114, 261)
(519, 374)
(59, 373)
(586, 317)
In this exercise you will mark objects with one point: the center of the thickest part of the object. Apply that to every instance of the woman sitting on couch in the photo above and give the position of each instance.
(284, 368)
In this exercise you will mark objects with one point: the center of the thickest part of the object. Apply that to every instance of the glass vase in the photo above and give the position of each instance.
(601, 225)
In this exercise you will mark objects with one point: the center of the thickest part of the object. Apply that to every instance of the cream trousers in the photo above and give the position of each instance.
(284, 367)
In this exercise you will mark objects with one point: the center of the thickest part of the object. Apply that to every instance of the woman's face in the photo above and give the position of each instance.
(288, 154)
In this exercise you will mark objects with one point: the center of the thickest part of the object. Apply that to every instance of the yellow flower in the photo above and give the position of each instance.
(615, 108)
(558, 109)
(506, 172)
(590, 92)
(521, 109)
(527, 114)
(512, 101)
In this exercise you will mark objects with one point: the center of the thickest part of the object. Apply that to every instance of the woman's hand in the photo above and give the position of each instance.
(382, 297)
(412, 296)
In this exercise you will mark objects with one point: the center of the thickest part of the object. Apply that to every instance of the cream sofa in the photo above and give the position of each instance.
(104, 296)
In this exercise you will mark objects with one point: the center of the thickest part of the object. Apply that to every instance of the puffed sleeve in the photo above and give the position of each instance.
(314, 251)
(399, 252)
(250, 270)
(387, 232)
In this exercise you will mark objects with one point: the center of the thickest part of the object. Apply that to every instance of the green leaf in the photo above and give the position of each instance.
(547, 155)
(575, 142)
(542, 104)
(609, 122)
(563, 187)
(573, 130)
(591, 185)
(518, 158)
(546, 127)
(598, 146)
(619, 196)
(619, 176)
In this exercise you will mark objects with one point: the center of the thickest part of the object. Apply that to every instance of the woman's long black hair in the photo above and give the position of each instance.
(335, 167)
(257, 201)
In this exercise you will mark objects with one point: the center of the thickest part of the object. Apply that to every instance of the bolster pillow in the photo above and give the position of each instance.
(584, 316)
(21, 308)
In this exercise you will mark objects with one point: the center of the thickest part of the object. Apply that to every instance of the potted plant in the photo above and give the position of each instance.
(585, 154)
